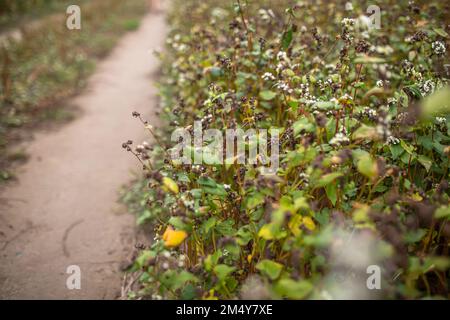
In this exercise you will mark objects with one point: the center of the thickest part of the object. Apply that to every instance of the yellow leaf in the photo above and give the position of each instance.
(173, 238)
(170, 184)
(210, 295)
(265, 232)
(309, 223)
(295, 223)
(416, 197)
(249, 258)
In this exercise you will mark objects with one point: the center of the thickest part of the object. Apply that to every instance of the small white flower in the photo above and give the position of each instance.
(391, 101)
(283, 86)
(339, 139)
(346, 97)
(441, 121)
(380, 83)
(427, 87)
(165, 265)
(348, 22)
(268, 76)
(266, 15)
(318, 60)
(369, 113)
(392, 140)
(408, 39)
(282, 56)
(438, 47)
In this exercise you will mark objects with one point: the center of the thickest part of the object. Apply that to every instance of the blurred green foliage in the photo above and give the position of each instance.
(49, 62)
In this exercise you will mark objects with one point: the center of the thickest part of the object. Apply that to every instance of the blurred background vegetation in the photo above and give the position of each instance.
(15, 11)
(42, 62)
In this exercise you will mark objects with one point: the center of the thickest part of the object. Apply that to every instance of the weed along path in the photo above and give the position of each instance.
(63, 209)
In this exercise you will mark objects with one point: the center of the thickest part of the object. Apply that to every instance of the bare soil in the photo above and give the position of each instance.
(63, 208)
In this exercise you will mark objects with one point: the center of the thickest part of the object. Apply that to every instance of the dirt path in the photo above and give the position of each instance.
(63, 210)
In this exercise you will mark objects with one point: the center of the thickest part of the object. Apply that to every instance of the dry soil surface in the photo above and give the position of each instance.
(63, 209)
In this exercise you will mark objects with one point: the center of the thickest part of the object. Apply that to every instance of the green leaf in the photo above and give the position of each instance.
(179, 224)
(442, 212)
(209, 224)
(364, 59)
(441, 32)
(325, 105)
(408, 148)
(270, 268)
(286, 39)
(189, 292)
(244, 235)
(367, 166)
(267, 95)
(413, 91)
(415, 235)
(222, 271)
(293, 289)
(226, 227)
(323, 216)
(396, 150)
(365, 132)
(212, 259)
(144, 257)
(437, 104)
(425, 161)
(181, 279)
(328, 178)
(303, 125)
(331, 192)
(210, 186)
(254, 200)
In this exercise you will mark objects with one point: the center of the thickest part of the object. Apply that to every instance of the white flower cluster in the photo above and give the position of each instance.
(324, 84)
(175, 43)
(304, 92)
(369, 113)
(391, 101)
(188, 204)
(340, 138)
(318, 60)
(268, 76)
(346, 96)
(282, 56)
(438, 48)
(392, 140)
(284, 61)
(283, 86)
(305, 179)
(442, 121)
(181, 260)
(266, 15)
(348, 22)
(427, 87)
